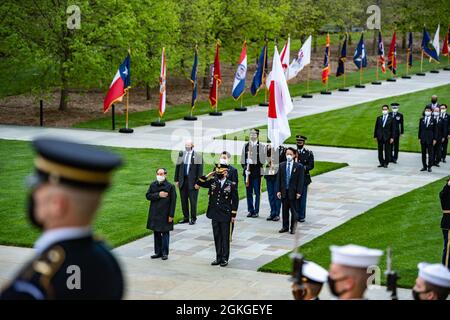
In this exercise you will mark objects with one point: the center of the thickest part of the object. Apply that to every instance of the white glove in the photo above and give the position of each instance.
(247, 172)
(249, 161)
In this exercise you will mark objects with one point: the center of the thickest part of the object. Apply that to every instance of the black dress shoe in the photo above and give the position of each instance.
(215, 263)
(436, 165)
(292, 232)
(164, 257)
(255, 215)
(184, 221)
(429, 170)
(283, 230)
(394, 161)
(249, 215)
(192, 222)
(385, 166)
(277, 218)
(380, 166)
(224, 263)
(423, 169)
(443, 160)
(301, 220)
(269, 219)
(156, 256)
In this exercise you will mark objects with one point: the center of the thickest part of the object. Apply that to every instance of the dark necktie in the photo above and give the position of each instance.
(288, 174)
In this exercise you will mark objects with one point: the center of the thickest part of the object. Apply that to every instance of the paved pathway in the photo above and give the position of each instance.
(334, 198)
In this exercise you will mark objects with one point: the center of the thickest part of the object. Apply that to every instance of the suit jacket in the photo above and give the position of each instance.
(441, 125)
(398, 124)
(447, 122)
(427, 133)
(233, 174)
(296, 182)
(161, 208)
(223, 201)
(195, 169)
(306, 158)
(257, 154)
(384, 133)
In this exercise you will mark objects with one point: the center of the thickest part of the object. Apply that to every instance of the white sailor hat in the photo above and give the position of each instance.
(315, 273)
(355, 256)
(436, 274)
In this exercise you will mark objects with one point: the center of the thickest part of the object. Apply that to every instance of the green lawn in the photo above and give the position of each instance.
(409, 224)
(123, 215)
(353, 126)
(143, 118)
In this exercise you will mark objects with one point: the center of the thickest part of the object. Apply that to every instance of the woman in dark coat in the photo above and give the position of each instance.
(162, 197)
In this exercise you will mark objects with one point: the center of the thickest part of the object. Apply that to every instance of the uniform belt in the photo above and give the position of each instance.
(445, 211)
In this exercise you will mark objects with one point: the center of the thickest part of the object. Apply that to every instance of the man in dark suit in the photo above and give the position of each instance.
(64, 193)
(188, 169)
(291, 180)
(252, 160)
(306, 158)
(398, 130)
(222, 209)
(427, 137)
(445, 119)
(384, 134)
(441, 133)
(233, 175)
(434, 102)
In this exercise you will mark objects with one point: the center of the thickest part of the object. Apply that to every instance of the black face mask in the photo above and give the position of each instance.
(220, 176)
(300, 146)
(416, 294)
(31, 212)
(332, 285)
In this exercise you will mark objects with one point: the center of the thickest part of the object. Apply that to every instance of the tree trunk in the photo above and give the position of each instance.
(350, 39)
(63, 98)
(147, 92)
(374, 43)
(315, 45)
(404, 41)
(206, 78)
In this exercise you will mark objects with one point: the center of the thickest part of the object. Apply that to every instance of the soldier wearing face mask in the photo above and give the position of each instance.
(349, 271)
(427, 137)
(398, 130)
(441, 133)
(433, 282)
(163, 198)
(65, 191)
(222, 209)
(384, 135)
(446, 123)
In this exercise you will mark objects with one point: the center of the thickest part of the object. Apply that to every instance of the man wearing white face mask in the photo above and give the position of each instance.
(398, 130)
(441, 133)
(444, 117)
(427, 138)
(384, 134)
(163, 199)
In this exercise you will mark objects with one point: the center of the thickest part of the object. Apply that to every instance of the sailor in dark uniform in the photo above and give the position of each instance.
(398, 130)
(222, 209)
(306, 158)
(444, 196)
(65, 192)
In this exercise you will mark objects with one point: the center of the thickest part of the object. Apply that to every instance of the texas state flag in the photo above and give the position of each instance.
(119, 85)
(241, 73)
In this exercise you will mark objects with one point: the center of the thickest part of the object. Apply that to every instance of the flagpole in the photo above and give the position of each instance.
(126, 111)
(307, 95)
(421, 65)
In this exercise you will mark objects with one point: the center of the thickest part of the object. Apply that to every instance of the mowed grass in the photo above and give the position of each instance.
(123, 215)
(409, 224)
(143, 118)
(353, 126)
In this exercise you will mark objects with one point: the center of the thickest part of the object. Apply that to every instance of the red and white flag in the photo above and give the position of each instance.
(286, 57)
(162, 84)
(280, 103)
(119, 85)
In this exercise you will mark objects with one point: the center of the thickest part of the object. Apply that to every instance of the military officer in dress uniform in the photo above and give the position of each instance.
(349, 270)
(314, 276)
(444, 196)
(433, 282)
(222, 209)
(65, 192)
(398, 130)
(306, 158)
(444, 117)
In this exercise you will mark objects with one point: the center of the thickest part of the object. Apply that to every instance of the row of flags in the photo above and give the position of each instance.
(122, 80)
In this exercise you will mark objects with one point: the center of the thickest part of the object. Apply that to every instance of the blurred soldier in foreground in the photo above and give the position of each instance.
(314, 276)
(65, 192)
(444, 195)
(222, 209)
(349, 270)
(433, 282)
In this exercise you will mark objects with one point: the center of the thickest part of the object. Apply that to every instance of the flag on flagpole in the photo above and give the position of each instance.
(119, 85)
(326, 61)
(341, 65)
(280, 103)
(194, 78)
(381, 59)
(436, 45)
(360, 56)
(446, 44)
(261, 72)
(427, 46)
(285, 57)
(410, 48)
(241, 74)
(162, 84)
(303, 59)
(392, 58)
(217, 79)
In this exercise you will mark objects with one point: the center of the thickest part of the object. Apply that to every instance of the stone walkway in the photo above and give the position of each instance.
(334, 198)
